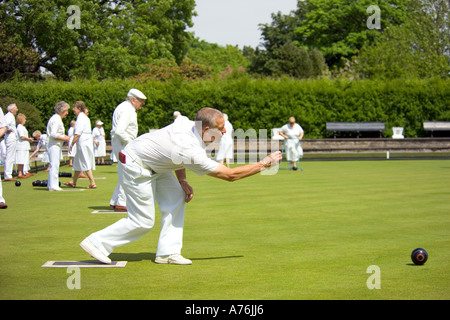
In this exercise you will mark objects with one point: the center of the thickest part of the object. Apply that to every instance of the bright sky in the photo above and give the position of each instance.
(236, 22)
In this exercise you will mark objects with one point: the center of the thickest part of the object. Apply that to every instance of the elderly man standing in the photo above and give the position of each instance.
(124, 130)
(146, 166)
(10, 141)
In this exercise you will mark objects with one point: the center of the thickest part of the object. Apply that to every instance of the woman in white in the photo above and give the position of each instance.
(98, 133)
(23, 148)
(226, 143)
(56, 138)
(84, 158)
(293, 134)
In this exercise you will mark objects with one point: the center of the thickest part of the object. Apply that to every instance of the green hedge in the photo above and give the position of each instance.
(253, 103)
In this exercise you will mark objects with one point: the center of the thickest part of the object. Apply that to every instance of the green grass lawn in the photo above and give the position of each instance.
(293, 235)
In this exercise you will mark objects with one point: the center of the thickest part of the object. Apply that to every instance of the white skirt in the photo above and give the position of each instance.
(293, 150)
(22, 157)
(84, 159)
(100, 151)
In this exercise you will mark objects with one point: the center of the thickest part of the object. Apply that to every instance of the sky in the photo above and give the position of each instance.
(235, 22)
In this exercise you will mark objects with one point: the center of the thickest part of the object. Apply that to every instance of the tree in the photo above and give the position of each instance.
(15, 59)
(288, 59)
(417, 48)
(110, 39)
(215, 56)
(337, 28)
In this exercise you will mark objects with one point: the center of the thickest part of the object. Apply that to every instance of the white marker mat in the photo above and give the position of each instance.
(83, 264)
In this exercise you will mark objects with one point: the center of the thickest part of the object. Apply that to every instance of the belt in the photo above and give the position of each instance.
(133, 157)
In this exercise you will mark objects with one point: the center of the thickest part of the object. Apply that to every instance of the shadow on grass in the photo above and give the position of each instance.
(131, 257)
(102, 208)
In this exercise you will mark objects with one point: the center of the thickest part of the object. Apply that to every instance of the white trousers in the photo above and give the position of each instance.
(10, 157)
(142, 189)
(54, 155)
(118, 197)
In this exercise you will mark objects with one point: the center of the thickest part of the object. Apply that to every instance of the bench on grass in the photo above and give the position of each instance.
(356, 127)
(436, 126)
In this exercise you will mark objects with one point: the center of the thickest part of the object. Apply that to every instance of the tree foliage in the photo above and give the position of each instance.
(417, 48)
(115, 39)
(253, 103)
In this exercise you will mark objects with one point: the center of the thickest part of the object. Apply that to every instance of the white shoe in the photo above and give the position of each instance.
(173, 259)
(55, 189)
(92, 250)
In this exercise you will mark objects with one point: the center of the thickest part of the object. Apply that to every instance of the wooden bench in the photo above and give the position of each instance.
(436, 126)
(356, 127)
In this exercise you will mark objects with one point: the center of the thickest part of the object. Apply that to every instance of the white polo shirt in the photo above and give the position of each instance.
(174, 147)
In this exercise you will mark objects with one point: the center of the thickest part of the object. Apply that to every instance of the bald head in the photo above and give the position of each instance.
(208, 117)
(212, 124)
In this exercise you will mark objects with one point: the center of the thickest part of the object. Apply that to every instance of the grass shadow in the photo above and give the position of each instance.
(214, 258)
(131, 257)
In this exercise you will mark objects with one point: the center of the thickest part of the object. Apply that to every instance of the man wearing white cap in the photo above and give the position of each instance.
(124, 130)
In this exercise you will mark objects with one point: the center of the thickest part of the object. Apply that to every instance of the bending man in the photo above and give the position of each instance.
(145, 170)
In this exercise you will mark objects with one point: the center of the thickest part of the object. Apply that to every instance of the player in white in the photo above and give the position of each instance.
(98, 134)
(293, 135)
(124, 130)
(56, 138)
(84, 160)
(10, 141)
(23, 148)
(146, 165)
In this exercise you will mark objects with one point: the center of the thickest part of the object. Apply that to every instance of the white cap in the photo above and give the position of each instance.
(98, 123)
(135, 93)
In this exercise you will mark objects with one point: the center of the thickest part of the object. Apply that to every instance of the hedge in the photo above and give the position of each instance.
(253, 103)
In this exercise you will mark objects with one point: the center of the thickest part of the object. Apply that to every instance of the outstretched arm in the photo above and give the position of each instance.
(233, 174)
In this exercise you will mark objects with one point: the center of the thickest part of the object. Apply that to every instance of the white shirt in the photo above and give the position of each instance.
(174, 147)
(82, 127)
(292, 132)
(55, 128)
(11, 125)
(98, 134)
(22, 144)
(124, 123)
(2, 119)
